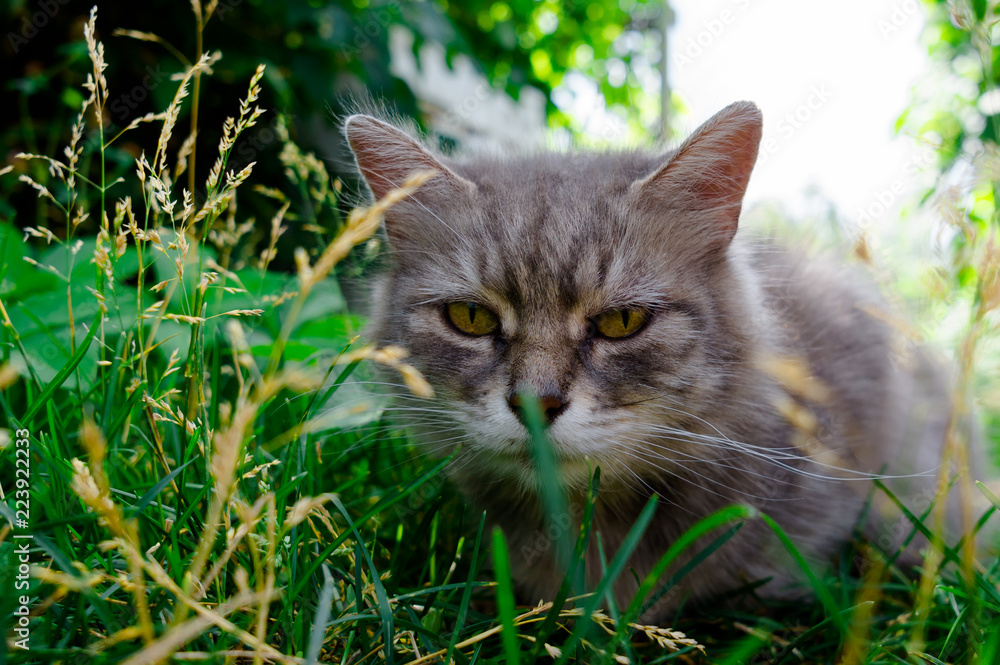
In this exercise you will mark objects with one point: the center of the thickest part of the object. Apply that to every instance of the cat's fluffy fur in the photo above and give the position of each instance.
(691, 407)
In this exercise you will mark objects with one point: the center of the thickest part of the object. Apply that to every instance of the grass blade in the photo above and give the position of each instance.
(801, 639)
(463, 607)
(695, 561)
(576, 569)
(505, 596)
(385, 611)
(824, 595)
(384, 504)
(552, 494)
(157, 488)
(700, 528)
(318, 631)
(63, 373)
(948, 552)
(994, 499)
(615, 568)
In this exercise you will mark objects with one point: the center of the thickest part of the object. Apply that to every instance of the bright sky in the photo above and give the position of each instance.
(831, 79)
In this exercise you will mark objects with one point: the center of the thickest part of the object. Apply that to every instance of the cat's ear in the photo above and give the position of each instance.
(708, 174)
(387, 156)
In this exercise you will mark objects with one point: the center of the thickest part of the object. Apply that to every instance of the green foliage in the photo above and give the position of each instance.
(320, 56)
(955, 114)
(523, 42)
(209, 470)
(961, 120)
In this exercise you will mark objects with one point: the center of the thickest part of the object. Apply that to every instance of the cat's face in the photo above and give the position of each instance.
(598, 284)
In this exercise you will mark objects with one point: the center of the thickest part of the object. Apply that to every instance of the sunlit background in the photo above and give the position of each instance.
(830, 80)
(832, 84)
(159, 325)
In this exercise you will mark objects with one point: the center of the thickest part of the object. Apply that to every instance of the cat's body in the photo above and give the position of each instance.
(754, 374)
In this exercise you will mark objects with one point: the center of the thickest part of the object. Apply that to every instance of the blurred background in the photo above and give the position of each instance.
(880, 144)
(875, 113)
(865, 104)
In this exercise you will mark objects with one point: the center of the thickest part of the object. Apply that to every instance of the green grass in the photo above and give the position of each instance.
(200, 490)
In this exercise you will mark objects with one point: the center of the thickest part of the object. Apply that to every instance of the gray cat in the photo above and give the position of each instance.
(683, 359)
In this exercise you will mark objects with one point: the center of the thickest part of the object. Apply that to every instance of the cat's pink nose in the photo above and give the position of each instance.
(551, 405)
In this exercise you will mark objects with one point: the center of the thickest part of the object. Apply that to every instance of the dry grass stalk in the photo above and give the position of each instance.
(983, 255)
(392, 356)
(361, 225)
(90, 483)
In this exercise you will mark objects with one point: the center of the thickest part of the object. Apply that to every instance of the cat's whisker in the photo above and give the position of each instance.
(688, 456)
(652, 490)
(643, 446)
(779, 460)
(727, 443)
(642, 455)
(707, 441)
(722, 436)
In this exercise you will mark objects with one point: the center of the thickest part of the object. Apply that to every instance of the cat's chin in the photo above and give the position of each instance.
(572, 471)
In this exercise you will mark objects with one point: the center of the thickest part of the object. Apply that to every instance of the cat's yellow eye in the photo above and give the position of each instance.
(620, 322)
(472, 318)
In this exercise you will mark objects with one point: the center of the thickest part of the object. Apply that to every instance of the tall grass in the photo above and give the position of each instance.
(200, 489)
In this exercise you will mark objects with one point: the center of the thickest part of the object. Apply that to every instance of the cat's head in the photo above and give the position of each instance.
(601, 283)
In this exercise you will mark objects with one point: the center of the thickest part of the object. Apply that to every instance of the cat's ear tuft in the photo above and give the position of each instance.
(709, 172)
(387, 156)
